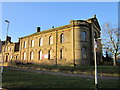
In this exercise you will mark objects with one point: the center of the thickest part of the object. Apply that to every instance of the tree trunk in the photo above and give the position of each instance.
(114, 60)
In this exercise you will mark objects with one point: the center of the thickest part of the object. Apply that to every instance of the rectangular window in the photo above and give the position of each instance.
(24, 56)
(83, 36)
(24, 46)
(32, 43)
(40, 41)
(40, 55)
(84, 53)
(31, 55)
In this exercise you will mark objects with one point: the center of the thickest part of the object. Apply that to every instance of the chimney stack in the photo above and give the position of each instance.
(8, 38)
(38, 29)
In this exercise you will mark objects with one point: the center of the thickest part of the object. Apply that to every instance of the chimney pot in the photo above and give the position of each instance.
(38, 29)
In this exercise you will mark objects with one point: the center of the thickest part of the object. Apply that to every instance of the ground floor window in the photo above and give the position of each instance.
(40, 55)
(84, 53)
(31, 55)
(50, 54)
(61, 54)
(24, 56)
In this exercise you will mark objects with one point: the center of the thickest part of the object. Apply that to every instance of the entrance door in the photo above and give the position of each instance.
(6, 58)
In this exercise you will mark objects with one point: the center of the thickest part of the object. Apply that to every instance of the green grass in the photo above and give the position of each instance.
(21, 79)
(79, 69)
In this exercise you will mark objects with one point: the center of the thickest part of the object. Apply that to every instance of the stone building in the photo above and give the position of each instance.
(10, 51)
(72, 44)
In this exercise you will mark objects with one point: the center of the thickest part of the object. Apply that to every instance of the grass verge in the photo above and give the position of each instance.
(102, 70)
(21, 79)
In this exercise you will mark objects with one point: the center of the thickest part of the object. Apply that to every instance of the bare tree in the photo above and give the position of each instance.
(110, 40)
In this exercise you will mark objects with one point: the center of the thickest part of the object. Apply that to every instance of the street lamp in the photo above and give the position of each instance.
(5, 45)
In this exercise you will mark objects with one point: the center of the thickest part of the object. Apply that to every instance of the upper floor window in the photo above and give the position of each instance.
(61, 54)
(83, 34)
(50, 54)
(62, 38)
(32, 43)
(84, 53)
(31, 55)
(40, 41)
(24, 56)
(50, 40)
(95, 35)
(24, 46)
(40, 55)
(5, 48)
(10, 48)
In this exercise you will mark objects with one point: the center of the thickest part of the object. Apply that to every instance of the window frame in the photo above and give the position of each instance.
(84, 53)
(50, 40)
(40, 55)
(83, 36)
(62, 38)
(50, 54)
(40, 41)
(32, 43)
(24, 44)
(24, 56)
(31, 55)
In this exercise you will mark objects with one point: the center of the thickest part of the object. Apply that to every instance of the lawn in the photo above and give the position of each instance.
(21, 79)
(106, 70)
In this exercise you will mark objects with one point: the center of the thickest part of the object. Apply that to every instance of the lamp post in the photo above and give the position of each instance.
(96, 71)
(5, 46)
(96, 76)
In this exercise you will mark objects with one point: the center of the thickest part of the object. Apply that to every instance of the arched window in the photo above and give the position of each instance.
(32, 43)
(40, 41)
(50, 40)
(50, 54)
(31, 55)
(24, 56)
(83, 36)
(62, 38)
(61, 53)
(84, 53)
(40, 55)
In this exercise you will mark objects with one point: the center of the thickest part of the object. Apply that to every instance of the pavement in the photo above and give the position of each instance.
(88, 76)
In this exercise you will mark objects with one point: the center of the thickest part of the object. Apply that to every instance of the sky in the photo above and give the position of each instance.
(24, 17)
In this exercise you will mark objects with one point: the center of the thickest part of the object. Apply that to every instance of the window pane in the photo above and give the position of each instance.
(40, 55)
(62, 38)
(50, 54)
(31, 55)
(32, 43)
(24, 56)
(40, 41)
(83, 36)
(51, 40)
(24, 44)
(84, 53)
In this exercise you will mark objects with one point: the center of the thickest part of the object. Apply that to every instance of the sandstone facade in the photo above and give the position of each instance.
(72, 44)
